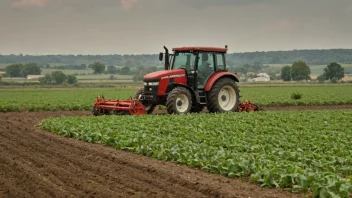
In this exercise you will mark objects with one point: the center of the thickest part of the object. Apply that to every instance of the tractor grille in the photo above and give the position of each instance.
(153, 89)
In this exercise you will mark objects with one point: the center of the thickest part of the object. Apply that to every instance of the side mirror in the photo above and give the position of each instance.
(161, 55)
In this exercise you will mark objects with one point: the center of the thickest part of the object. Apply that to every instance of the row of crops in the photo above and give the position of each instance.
(302, 151)
(83, 98)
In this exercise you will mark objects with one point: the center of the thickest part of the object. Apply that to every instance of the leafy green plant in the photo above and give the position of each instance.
(308, 151)
(296, 96)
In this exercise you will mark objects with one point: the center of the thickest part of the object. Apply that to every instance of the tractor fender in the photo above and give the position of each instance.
(194, 95)
(215, 77)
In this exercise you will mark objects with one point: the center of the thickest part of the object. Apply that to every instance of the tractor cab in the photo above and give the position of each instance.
(199, 63)
(193, 77)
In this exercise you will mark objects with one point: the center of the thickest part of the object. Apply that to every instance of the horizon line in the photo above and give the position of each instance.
(157, 53)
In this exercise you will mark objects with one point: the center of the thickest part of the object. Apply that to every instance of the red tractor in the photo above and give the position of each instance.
(194, 77)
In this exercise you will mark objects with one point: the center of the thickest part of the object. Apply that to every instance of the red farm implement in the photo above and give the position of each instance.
(118, 107)
(135, 107)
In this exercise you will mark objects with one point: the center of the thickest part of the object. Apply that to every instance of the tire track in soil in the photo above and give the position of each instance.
(36, 163)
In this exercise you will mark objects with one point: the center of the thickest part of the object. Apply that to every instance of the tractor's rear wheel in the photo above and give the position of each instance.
(223, 96)
(179, 101)
(149, 108)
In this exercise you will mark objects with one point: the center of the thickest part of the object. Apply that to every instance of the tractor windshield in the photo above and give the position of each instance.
(184, 60)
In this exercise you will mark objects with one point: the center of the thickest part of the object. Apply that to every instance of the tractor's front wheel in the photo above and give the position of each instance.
(149, 108)
(179, 101)
(223, 96)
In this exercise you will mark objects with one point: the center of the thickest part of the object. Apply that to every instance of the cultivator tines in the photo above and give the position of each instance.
(248, 106)
(118, 107)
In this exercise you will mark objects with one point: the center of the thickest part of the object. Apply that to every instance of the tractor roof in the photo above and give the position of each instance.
(206, 49)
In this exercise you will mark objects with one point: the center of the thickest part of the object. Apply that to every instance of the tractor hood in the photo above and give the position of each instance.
(164, 74)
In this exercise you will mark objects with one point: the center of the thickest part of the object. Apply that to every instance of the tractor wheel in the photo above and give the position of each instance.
(149, 108)
(179, 101)
(223, 96)
(96, 112)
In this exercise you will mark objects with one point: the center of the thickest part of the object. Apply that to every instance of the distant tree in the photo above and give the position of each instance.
(321, 78)
(334, 72)
(31, 69)
(125, 70)
(112, 77)
(14, 70)
(300, 71)
(142, 71)
(71, 79)
(46, 79)
(112, 70)
(286, 73)
(98, 67)
(58, 77)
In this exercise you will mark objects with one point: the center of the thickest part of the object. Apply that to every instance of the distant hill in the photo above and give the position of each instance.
(312, 57)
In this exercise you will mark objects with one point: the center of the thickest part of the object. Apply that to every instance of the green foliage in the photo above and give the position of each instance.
(35, 99)
(72, 98)
(245, 68)
(31, 69)
(45, 80)
(296, 96)
(314, 95)
(58, 77)
(286, 73)
(14, 70)
(334, 72)
(71, 79)
(20, 70)
(312, 57)
(125, 70)
(98, 67)
(142, 71)
(112, 70)
(321, 78)
(300, 71)
(291, 150)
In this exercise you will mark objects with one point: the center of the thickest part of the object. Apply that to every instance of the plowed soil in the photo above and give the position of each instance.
(35, 163)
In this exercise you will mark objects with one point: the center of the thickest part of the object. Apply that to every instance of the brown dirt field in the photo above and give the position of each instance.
(36, 163)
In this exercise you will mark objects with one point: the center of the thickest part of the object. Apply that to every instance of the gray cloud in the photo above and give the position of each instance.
(144, 26)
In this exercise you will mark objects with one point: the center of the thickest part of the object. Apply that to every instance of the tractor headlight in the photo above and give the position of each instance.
(153, 83)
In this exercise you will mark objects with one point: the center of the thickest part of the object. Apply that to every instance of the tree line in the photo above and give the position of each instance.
(301, 71)
(312, 57)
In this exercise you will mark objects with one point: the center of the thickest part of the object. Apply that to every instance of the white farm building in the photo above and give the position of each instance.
(262, 77)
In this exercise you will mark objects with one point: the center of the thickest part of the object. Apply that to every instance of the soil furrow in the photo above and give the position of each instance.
(36, 163)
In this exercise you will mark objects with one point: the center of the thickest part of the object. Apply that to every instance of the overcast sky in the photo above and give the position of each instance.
(144, 26)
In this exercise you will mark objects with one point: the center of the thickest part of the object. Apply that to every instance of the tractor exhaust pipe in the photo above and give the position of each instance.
(167, 61)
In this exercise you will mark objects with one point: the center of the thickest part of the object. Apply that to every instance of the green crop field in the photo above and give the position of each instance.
(83, 98)
(311, 95)
(304, 151)
(104, 77)
(57, 98)
(68, 71)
